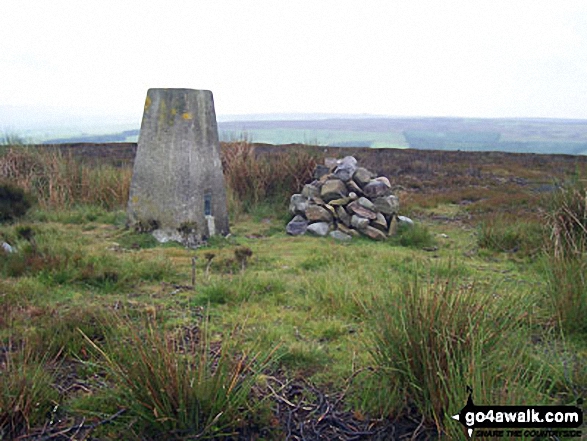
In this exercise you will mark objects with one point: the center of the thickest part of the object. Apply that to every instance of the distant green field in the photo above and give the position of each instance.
(337, 138)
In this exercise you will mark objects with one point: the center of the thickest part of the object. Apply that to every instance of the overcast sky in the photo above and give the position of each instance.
(512, 58)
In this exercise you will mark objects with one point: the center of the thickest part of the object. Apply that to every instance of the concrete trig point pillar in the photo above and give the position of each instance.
(177, 189)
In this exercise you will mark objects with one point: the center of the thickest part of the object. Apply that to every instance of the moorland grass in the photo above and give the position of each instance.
(177, 388)
(399, 328)
(430, 340)
(27, 392)
(566, 263)
(58, 180)
(504, 233)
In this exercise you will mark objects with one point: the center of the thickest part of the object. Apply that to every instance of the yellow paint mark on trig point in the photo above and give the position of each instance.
(147, 103)
(187, 115)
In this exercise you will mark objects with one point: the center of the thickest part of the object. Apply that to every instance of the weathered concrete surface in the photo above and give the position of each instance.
(177, 181)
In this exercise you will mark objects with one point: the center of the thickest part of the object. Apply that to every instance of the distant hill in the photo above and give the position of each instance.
(125, 136)
(468, 134)
(530, 135)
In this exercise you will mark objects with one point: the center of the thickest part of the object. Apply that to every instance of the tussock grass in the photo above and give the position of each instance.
(416, 236)
(567, 290)
(27, 394)
(178, 389)
(431, 340)
(566, 264)
(567, 220)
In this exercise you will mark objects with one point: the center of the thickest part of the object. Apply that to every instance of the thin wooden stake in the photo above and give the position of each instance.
(194, 272)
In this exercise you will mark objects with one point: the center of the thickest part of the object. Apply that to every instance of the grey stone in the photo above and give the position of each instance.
(333, 189)
(376, 189)
(320, 171)
(404, 220)
(353, 187)
(373, 233)
(319, 228)
(392, 226)
(164, 235)
(298, 204)
(387, 204)
(341, 201)
(339, 235)
(317, 201)
(366, 203)
(331, 209)
(384, 180)
(380, 223)
(353, 195)
(296, 226)
(347, 230)
(315, 213)
(343, 215)
(346, 168)
(359, 210)
(359, 222)
(362, 176)
(177, 176)
(6, 247)
(316, 183)
(325, 178)
(331, 163)
(310, 191)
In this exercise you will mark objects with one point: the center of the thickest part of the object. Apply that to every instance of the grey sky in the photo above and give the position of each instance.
(513, 58)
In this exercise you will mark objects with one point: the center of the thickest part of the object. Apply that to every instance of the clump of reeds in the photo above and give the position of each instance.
(431, 340)
(27, 394)
(174, 390)
(568, 221)
(566, 251)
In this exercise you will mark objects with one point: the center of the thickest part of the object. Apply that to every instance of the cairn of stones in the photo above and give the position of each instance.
(343, 201)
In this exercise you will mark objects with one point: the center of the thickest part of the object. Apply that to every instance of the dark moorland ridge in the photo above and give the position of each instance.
(521, 135)
(382, 161)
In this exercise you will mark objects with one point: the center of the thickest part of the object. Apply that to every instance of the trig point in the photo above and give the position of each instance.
(177, 190)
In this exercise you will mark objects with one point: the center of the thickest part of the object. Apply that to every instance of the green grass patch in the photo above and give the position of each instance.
(416, 236)
(509, 234)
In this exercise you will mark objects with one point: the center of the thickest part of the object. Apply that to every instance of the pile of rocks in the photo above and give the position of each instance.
(343, 201)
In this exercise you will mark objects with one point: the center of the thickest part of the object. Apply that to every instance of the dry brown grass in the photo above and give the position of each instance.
(256, 174)
(252, 178)
(567, 252)
(60, 180)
